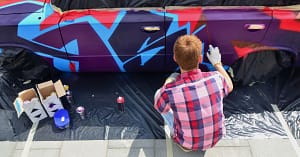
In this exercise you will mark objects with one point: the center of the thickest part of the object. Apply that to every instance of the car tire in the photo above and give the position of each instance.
(260, 66)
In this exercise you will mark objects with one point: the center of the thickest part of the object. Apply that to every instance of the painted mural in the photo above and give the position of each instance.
(141, 39)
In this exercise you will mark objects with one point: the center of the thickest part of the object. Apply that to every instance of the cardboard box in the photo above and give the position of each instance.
(49, 94)
(28, 102)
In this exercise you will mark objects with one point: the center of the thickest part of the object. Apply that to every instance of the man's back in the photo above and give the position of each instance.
(196, 101)
(192, 106)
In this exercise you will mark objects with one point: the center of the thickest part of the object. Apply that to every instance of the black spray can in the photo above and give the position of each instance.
(69, 96)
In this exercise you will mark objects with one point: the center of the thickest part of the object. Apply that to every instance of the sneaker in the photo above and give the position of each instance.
(184, 149)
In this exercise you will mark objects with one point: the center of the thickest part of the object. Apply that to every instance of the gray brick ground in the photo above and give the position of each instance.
(83, 148)
(272, 148)
(7, 148)
(148, 148)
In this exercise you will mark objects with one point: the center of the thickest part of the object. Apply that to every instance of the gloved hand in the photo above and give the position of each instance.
(171, 78)
(213, 55)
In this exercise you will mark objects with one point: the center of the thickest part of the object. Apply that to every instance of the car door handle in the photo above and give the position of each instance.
(151, 28)
(254, 27)
(69, 20)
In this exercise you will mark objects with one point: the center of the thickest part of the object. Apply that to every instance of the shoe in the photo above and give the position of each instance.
(184, 149)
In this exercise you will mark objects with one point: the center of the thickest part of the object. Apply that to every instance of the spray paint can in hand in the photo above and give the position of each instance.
(120, 101)
(80, 110)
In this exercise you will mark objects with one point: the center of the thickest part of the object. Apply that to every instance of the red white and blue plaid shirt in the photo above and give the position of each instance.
(196, 99)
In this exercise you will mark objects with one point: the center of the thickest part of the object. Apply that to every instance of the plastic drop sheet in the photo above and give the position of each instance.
(249, 113)
(18, 66)
(289, 100)
(247, 109)
(97, 93)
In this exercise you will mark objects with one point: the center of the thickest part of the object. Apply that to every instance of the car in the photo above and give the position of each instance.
(138, 36)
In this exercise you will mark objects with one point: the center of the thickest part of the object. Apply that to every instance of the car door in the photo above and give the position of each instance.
(284, 31)
(237, 30)
(228, 27)
(181, 20)
(127, 36)
(15, 15)
(33, 25)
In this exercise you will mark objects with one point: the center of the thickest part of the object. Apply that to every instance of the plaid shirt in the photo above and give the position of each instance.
(196, 99)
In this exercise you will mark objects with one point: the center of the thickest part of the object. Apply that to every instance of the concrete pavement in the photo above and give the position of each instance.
(148, 148)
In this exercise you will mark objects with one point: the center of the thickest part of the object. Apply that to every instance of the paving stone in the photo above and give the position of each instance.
(178, 152)
(38, 153)
(7, 148)
(148, 143)
(229, 152)
(41, 144)
(44, 153)
(160, 148)
(232, 143)
(272, 148)
(20, 145)
(17, 153)
(298, 141)
(83, 148)
(46, 144)
(235, 147)
(149, 148)
(160, 152)
(130, 152)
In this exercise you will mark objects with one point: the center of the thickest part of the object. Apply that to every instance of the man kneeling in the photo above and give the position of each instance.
(191, 102)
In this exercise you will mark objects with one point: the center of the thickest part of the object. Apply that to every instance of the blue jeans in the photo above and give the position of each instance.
(169, 116)
(169, 120)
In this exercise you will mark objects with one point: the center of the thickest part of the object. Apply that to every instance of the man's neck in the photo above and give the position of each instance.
(183, 71)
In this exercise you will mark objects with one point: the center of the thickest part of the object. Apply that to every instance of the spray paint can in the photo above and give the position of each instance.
(120, 101)
(68, 94)
(80, 110)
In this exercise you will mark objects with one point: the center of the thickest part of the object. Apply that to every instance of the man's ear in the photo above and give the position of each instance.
(174, 58)
(200, 59)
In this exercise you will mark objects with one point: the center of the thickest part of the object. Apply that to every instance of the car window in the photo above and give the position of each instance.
(230, 2)
(65, 5)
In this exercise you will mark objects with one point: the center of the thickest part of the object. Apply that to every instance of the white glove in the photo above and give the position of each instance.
(171, 78)
(213, 55)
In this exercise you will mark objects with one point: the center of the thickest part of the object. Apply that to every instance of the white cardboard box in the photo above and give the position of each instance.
(32, 106)
(49, 94)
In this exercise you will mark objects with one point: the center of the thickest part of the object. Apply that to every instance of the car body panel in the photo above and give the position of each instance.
(118, 39)
(24, 29)
(237, 21)
(20, 6)
(113, 40)
(212, 24)
(284, 31)
(181, 21)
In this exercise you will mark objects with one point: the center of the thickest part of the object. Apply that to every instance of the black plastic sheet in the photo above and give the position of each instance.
(18, 66)
(289, 99)
(254, 125)
(262, 79)
(97, 93)
(249, 113)
(247, 109)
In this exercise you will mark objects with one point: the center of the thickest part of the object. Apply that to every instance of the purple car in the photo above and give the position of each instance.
(138, 35)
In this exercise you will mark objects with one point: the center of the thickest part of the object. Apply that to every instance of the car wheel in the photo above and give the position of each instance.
(260, 66)
(23, 65)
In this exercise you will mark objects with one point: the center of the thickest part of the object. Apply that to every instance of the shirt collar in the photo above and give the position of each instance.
(191, 73)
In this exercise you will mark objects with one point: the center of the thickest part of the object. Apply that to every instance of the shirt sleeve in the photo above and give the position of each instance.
(224, 85)
(161, 101)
